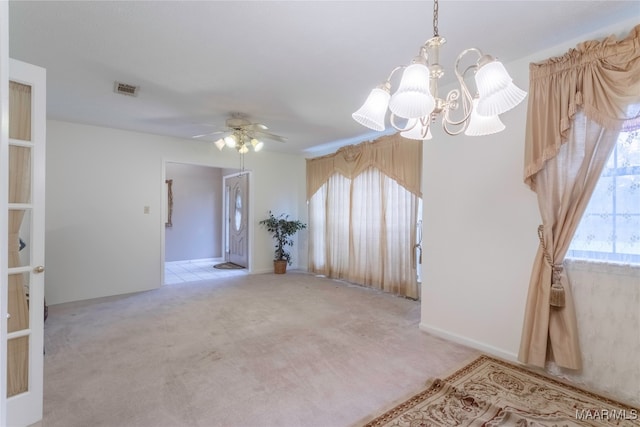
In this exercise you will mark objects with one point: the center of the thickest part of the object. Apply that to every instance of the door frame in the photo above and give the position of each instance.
(164, 209)
(4, 199)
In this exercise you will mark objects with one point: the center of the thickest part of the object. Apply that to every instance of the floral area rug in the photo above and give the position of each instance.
(489, 392)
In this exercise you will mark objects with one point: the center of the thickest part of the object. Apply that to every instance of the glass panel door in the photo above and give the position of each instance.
(19, 204)
(25, 233)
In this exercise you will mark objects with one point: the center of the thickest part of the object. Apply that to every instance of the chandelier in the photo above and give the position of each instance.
(239, 140)
(416, 104)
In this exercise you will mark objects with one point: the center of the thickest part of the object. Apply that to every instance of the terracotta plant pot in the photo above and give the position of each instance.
(280, 266)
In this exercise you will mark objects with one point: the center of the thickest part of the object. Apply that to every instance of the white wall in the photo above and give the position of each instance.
(196, 231)
(480, 237)
(99, 242)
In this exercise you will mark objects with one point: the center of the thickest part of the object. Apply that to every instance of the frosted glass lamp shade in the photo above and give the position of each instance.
(483, 125)
(496, 89)
(220, 144)
(502, 101)
(374, 110)
(243, 149)
(231, 141)
(257, 145)
(417, 131)
(413, 99)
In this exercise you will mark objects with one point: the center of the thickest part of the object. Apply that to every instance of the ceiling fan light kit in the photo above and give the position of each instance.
(415, 105)
(230, 141)
(243, 135)
(257, 145)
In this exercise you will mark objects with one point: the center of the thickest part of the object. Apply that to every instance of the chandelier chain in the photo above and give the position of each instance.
(435, 19)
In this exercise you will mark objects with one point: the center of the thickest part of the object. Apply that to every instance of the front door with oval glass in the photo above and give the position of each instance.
(237, 223)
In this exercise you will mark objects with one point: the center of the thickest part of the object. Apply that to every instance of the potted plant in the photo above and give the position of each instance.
(281, 229)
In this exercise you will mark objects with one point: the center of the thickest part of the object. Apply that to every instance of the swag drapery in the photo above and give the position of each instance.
(19, 192)
(363, 207)
(578, 103)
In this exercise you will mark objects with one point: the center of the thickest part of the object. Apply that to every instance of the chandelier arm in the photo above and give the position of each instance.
(469, 68)
(399, 129)
(426, 125)
(467, 102)
(452, 133)
(460, 75)
(448, 123)
(446, 126)
(452, 104)
(400, 67)
(465, 52)
(464, 93)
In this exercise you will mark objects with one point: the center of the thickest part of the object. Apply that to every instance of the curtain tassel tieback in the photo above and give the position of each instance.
(556, 295)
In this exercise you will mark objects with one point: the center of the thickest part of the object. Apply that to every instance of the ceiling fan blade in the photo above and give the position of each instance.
(209, 134)
(258, 126)
(271, 136)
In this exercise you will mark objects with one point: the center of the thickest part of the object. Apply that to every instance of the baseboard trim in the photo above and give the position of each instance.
(270, 270)
(485, 348)
(262, 271)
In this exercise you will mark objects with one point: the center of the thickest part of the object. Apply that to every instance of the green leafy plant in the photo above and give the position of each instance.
(281, 229)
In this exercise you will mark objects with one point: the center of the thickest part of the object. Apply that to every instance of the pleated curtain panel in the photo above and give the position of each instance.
(19, 192)
(578, 104)
(363, 213)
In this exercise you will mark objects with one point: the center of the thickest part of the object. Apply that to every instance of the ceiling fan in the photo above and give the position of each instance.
(242, 134)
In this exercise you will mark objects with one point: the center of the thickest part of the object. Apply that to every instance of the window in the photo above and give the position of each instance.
(364, 202)
(364, 230)
(610, 227)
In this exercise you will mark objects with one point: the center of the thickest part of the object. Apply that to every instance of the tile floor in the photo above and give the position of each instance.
(194, 270)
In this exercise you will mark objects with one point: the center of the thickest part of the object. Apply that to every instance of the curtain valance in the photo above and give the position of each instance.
(395, 156)
(600, 77)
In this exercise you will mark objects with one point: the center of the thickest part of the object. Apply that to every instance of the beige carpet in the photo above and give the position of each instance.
(490, 392)
(253, 350)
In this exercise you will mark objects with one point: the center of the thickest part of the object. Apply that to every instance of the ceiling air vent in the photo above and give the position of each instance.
(125, 89)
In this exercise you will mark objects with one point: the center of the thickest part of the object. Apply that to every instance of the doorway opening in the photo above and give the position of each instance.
(195, 236)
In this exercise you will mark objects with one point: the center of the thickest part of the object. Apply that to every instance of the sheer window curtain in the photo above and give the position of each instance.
(363, 216)
(329, 228)
(609, 230)
(578, 103)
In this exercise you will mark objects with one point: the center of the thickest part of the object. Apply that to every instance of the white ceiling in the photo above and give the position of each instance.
(300, 67)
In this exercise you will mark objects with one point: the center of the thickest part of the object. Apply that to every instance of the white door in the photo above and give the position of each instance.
(237, 223)
(25, 267)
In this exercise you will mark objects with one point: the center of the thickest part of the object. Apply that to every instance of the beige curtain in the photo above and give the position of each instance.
(363, 217)
(396, 157)
(577, 105)
(19, 192)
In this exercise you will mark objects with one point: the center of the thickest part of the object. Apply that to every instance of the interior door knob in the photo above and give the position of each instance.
(38, 269)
